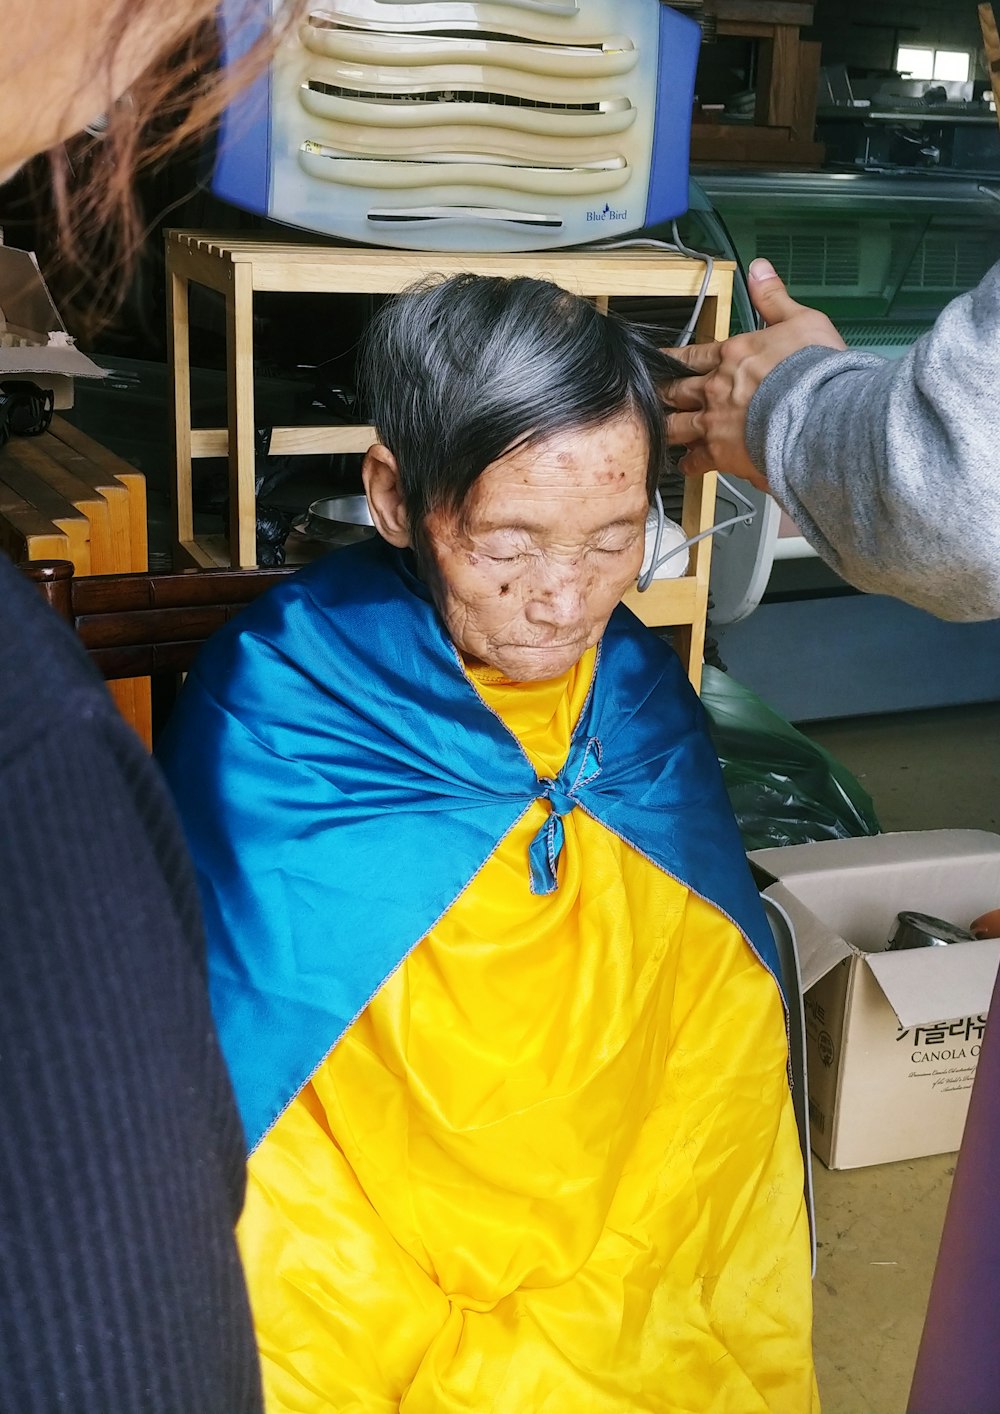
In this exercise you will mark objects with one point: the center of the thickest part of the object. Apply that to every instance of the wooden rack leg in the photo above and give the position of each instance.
(179, 355)
(242, 499)
(699, 514)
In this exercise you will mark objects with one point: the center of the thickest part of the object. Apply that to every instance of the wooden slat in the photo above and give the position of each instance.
(287, 441)
(95, 452)
(665, 602)
(124, 629)
(206, 264)
(241, 442)
(132, 701)
(771, 12)
(745, 29)
(807, 91)
(123, 472)
(588, 276)
(146, 626)
(98, 478)
(135, 484)
(179, 365)
(134, 594)
(25, 534)
(55, 507)
(36, 455)
(123, 488)
(779, 78)
(144, 660)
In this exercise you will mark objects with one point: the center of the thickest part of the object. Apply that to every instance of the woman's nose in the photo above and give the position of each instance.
(557, 596)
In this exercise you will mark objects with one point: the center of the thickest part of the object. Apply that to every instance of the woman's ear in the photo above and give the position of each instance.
(380, 475)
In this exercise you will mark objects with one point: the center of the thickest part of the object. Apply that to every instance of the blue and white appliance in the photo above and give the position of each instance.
(513, 125)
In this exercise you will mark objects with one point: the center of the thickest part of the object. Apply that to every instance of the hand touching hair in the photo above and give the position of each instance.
(710, 408)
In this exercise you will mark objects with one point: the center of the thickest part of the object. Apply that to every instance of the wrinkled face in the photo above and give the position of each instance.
(527, 573)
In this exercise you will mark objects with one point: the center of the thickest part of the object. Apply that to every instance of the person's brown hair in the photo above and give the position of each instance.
(92, 178)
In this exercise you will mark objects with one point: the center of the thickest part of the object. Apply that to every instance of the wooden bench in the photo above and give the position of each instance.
(64, 496)
(148, 625)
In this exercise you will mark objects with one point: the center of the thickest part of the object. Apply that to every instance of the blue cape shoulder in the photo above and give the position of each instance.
(340, 782)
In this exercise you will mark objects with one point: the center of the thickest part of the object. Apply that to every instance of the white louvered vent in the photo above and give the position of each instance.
(526, 111)
(448, 103)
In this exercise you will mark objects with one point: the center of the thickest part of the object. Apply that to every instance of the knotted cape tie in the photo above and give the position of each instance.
(547, 846)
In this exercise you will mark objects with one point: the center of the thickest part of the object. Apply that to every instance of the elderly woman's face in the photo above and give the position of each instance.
(527, 574)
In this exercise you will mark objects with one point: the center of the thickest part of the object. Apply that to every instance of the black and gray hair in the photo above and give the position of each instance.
(455, 373)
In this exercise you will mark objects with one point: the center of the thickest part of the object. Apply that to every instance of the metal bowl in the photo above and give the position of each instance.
(338, 520)
(920, 930)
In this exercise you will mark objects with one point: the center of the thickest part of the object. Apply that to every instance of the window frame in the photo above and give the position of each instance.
(934, 51)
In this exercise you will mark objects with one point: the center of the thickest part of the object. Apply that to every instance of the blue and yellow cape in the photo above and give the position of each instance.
(341, 782)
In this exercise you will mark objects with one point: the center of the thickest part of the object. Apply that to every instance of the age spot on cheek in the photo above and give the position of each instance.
(505, 589)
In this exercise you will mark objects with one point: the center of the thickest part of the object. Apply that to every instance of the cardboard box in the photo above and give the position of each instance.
(34, 344)
(892, 1038)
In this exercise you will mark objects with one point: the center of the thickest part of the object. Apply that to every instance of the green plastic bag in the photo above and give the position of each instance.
(784, 788)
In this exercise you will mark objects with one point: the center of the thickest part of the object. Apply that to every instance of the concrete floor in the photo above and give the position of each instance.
(924, 770)
(878, 1233)
(878, 1228)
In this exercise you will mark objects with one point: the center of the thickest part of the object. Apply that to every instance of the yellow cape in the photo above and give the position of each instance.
(553, 1167)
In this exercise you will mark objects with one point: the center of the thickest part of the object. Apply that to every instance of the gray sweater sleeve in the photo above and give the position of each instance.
(891, 469)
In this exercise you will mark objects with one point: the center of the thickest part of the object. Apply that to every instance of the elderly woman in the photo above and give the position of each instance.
(490, 972)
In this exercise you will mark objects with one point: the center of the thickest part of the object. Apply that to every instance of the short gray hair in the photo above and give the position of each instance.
(456, 372)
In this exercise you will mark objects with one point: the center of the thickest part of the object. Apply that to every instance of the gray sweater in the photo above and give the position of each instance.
(891, 469)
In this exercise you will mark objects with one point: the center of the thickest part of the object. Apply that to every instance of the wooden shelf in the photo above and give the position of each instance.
(288, 441)
(782, 132)
(309, 268)
(240, 268)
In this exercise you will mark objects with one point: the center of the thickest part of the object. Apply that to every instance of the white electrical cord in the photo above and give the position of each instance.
(679, 248)
(649, 573)
(687, 334)
(692, 324)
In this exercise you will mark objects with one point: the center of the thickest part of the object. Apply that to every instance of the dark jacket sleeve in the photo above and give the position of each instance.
(889, 468)
(121, 1152)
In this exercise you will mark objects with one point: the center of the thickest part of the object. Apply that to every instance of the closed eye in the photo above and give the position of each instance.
(629, 544)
